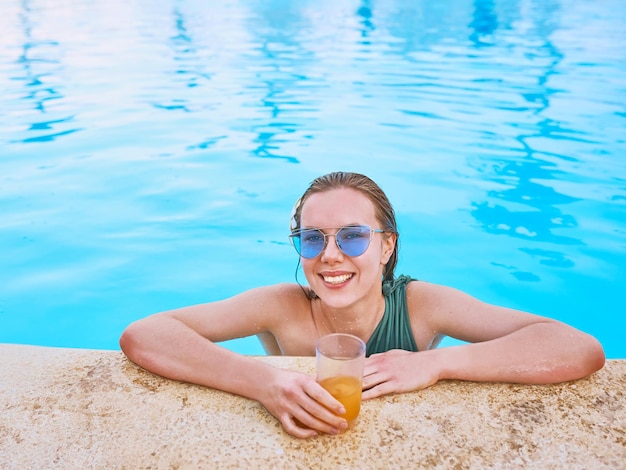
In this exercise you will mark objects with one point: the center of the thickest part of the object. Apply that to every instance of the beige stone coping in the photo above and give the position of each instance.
(82, 409)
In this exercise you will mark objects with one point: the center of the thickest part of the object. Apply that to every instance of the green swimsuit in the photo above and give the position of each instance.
(394, 330)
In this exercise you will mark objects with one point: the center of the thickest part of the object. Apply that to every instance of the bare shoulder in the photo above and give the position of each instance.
(249, 313)
(447, 311)
(425, 302)
(281, 296)
(273, 302)
(423, 292)
(288, 327)
(288, 290)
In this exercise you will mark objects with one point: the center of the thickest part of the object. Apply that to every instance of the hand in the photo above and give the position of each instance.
(301, 405)
(397, 371)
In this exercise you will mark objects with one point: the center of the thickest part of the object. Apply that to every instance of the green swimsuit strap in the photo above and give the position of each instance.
(394, 330)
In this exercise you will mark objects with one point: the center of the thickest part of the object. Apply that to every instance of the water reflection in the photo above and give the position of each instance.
(188, 69)
(275, 28)
(544, 221)
(457, 96)
(484, 23)
(39, 63)
(47, 137)
(366, 14)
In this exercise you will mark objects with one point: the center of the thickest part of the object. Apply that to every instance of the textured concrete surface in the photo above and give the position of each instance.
(82, 409)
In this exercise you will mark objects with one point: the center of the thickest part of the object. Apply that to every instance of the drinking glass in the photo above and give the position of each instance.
(340, 358)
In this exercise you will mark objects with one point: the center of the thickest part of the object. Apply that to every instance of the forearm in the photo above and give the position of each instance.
(167, 347)
(540, 353)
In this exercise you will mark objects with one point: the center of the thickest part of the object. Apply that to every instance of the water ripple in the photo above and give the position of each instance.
(171, 138)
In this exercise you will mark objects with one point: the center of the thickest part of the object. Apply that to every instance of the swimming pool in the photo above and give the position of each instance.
(152, 151)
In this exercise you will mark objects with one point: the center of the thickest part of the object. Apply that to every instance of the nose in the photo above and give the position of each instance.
(331, 251)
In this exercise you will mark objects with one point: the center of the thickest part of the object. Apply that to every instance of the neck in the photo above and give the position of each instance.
(358, 320)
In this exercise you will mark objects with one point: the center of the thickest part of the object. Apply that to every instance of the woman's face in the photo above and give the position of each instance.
(340, 280)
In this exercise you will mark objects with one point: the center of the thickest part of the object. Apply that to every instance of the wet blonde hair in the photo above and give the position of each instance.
(383, 209)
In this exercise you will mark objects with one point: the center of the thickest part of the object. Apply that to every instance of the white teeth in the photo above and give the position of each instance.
(337, 279)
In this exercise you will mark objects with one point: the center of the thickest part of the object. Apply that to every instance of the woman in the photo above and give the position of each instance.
(344, 229)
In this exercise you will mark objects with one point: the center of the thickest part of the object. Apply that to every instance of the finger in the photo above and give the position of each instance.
(322, 403)
(374, 378)
(312, 415)
(325, 409)
(377, 391)
(296, 429)
(369, 369)
(304, 415)
(377, 384)
(374, 363)
(307, 421)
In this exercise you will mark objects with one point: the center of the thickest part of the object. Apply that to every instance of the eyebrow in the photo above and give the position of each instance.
(356, 224)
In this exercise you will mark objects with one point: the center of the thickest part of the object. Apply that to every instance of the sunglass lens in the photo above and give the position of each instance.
(310, 243)
(353, 241)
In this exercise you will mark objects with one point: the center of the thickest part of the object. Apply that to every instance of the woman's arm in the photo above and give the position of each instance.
(540, 353)
(506, 346)
(179, 345)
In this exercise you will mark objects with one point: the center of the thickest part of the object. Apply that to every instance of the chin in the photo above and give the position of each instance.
(335, 299)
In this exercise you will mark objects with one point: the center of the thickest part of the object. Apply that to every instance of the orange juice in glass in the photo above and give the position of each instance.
(340, 358)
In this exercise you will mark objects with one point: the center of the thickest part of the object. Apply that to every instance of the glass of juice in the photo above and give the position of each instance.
(340, 358)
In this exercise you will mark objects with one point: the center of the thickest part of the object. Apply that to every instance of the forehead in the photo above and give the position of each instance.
(336, 208)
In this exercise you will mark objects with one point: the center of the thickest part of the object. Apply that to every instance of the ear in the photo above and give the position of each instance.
(389, 243)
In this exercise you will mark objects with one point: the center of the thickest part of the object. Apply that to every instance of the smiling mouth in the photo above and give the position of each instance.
(337, 279)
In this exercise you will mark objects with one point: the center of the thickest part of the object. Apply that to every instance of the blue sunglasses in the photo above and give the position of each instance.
(352, 240)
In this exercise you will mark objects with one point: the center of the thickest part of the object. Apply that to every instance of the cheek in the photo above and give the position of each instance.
(307, 267)
(371, 263)
(379, 252)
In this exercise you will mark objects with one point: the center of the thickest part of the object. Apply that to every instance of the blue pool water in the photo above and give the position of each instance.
(150, 151)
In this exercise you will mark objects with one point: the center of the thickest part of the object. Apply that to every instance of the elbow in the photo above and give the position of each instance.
(594, 358)
(590, 358)
(582, 356)
(131, 342)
